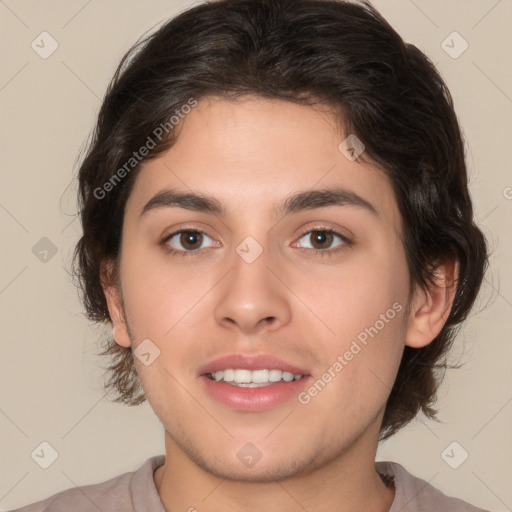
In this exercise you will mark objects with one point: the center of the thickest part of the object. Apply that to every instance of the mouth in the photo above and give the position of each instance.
(244, 378)
(252, 383)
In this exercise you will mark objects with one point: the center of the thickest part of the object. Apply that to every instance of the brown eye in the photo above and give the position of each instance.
(190, 239)
(321, 239)
(187, 240)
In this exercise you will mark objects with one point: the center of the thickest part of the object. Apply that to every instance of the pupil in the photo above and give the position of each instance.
(190, 238)
(321, 237)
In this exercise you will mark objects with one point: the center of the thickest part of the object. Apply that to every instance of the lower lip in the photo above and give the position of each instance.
(253, 399)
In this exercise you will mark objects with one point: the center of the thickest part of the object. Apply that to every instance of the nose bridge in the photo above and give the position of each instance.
(251, 294)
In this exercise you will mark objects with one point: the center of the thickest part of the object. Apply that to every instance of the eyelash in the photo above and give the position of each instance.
(319, 252)
(176, 252)
(327, 252)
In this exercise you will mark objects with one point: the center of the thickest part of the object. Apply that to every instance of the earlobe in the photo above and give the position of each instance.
(120, 335)
(431, 307)
(115, 305)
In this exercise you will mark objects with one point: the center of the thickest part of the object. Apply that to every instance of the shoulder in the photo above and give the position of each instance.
(121, 493)
(413, 494)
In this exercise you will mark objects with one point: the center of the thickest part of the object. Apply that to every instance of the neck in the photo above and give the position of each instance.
(347, 483)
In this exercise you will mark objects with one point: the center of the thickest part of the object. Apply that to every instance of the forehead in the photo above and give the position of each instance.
(251, 153)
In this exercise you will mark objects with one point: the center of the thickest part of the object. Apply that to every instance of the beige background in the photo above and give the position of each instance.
(50, 377)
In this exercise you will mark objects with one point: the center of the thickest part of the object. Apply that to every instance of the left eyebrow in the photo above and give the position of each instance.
(320, 198)
(301, 201)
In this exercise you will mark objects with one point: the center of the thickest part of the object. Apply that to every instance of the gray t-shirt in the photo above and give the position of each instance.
(136, 492)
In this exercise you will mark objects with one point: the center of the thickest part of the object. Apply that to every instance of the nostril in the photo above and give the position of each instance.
(268, 319)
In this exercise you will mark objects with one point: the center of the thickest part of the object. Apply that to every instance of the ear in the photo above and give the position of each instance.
(115, 304)
(431, 307)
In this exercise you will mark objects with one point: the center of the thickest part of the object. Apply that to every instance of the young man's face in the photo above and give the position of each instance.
(307, 310)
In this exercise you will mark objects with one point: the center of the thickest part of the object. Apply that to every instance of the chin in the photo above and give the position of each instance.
(245, 466)
(261, 472)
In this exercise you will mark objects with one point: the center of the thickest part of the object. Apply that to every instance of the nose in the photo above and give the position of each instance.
(252, 297)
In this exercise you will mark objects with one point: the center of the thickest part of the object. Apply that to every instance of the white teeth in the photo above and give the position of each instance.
(243, 375)
(258, 376)
(254, 378)
(275, 375)
(287, 376)
(229, 375)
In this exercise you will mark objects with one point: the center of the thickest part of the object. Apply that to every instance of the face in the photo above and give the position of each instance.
(303, 298)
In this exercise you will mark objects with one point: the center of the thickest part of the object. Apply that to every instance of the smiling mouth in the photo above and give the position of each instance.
(252, 378)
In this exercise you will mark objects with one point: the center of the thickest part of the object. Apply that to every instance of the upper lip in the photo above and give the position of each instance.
(250, 362)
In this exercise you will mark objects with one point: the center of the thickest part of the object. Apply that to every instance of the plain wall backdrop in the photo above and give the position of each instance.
(51, 378)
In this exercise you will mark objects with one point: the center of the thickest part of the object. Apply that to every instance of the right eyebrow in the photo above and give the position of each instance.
(169, 198)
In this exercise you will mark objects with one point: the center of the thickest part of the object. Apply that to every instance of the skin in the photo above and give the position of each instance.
(306, 308)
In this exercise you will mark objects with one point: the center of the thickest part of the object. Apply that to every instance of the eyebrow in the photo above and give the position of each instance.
(170, 198)
(320, 198)
(301, 201)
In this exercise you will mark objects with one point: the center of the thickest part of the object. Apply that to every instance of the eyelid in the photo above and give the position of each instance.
(345, 234)
(165, 241)
(186, 227)
(181, 230)
(344, 245)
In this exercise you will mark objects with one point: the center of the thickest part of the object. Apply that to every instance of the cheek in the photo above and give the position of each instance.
(359, 370)
(353, 296)
(160, 298)
(363, 304)
(366, 308)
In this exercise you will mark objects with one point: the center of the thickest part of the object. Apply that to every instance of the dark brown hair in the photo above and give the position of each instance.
(340, 54)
